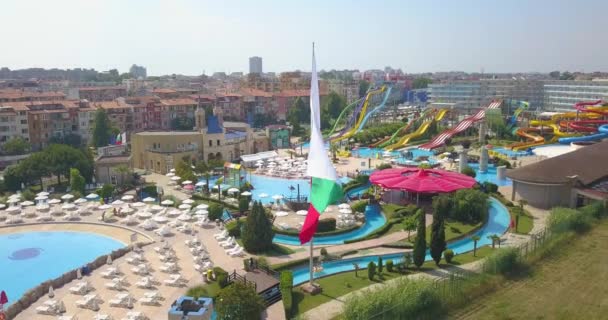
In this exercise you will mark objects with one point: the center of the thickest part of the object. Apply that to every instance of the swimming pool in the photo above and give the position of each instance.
(498, 223)
(30, 258)
(511, 153)
(489, 175)
(357, 192)
(374, 219)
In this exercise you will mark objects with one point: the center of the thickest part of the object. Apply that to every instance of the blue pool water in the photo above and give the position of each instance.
(30, 258)
(398, 155)
(374, 219)
(511, 153)
(357, 192)
(498, 223)
(489, 175)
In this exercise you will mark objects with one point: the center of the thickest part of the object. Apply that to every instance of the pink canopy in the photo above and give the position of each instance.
(421, 180)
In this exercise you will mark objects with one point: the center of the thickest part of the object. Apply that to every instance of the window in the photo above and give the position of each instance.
(218, 142)
(211, 143)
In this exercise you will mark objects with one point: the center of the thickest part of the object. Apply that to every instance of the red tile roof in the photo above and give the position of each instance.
(178, 102)
(102, 88)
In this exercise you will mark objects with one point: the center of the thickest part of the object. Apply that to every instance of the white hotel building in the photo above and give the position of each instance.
(561, 95)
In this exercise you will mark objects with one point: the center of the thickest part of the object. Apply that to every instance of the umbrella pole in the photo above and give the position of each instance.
(417, 198)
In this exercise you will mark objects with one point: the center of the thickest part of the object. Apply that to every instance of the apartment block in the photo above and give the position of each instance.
(561, 95)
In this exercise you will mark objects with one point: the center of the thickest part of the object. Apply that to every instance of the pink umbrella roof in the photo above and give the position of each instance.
(421, 180)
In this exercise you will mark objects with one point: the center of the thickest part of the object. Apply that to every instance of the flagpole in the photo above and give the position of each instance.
(311, 262)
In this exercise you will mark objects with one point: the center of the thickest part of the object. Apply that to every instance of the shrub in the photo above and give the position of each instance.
(596, 210)
(490, 187)
(384, 166)
(359, 206)
(150, 190)
(362, 179)
(380, 265)
(221, 276)
(323, 251)
(565, 219)
(448, 255)
(286, 286)
(389, 265)
(371, 270)
(249, 303)
(234, 228)
(469, 172)
(215, 211)
(502, 261)
(326, 225)
(469, 205)
(243, 204)
(27, 194)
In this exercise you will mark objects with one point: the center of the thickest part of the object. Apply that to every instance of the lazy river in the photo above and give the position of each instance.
(498, 223)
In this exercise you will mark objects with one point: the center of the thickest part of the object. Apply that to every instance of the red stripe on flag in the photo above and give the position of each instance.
(310, 225)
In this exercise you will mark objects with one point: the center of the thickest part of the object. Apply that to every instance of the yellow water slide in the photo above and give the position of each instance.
(361, 115)
(420, 131)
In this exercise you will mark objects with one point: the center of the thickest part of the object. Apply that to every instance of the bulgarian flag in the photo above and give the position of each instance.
(324, 189)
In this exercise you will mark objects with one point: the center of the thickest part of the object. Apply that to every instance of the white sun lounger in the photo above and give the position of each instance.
(222, 235)
(174, 281)
(169, 267)
(135, 315)
(80, 288)
(109, 272)
(145, 283)
(238, 252)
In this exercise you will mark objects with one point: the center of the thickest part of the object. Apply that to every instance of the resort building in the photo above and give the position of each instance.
(108, 93)
(279, 136)
(569, 180)
(109, 165)
(13, 122)
(213, 139)
(561, 95)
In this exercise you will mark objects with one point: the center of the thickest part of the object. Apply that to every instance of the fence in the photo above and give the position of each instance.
(451, 288)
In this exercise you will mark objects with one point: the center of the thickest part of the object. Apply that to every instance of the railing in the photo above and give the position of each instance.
(232, 277)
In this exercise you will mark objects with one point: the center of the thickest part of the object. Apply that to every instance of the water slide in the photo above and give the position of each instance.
(343, 114)
(523, 106)
(533, 139)
(401, 131)
(420, 131)
(376, 109)
(602, 133)
(358, 115)
(460, 127)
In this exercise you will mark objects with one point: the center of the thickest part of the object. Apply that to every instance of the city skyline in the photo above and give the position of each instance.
(188, 37)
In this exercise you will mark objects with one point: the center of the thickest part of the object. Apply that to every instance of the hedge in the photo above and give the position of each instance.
(286, 286)
(293, 232)
(234, 228)
(326, 225)
(399, 245)
(351, 185)
(359, 206)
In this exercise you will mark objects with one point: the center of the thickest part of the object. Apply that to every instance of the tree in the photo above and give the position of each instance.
(363, 87)
(124, 172)
(469, 172)
(106, 191)
(215, 211)
(333, 147)
(409, 225)
(72, 139)
(183, 169)
(76, 181)
(333, 105)
(61, 158)
(495, 239)
(407, 259)
(420, 242)
(566, 76)
(16, 146)
(371, 270)
(257, 232)
(475, 239)
(380, 265)
(469, 205)
(554, 74)
(102, 130)
(442, 205)
(243, 204)
(421, 83)
(239, 301)
(182, 123)
(13, 178)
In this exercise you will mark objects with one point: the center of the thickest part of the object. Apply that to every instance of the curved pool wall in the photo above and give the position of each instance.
(489, 175)
(30, 258)
(498, 223)
(374, 219)
(357, 192)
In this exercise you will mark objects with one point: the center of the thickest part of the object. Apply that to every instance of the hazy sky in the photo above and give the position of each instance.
(189, 36)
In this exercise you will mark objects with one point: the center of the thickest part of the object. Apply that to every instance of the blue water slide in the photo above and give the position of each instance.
(602, 134)
(388, 93)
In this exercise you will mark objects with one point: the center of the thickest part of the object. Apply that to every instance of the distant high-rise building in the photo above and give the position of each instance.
(138, 72)
(255, 65)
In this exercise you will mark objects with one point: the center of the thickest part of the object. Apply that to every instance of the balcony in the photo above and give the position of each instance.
(173, 150)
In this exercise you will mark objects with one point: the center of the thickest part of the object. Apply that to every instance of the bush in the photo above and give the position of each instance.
(221, 276)
(150, 190)
(286, 286)
(565, 219)
(490, 187)
(323, 251)
(469, 172)
(384, 166)
(469, 206)
(27, 194)
(503, 261)
(243, 204)
(371, 270)
(362, 179)
(389, 265)
(249, 303)
(234, 228)
(448, 255)
(215, 211)
(359, 206)
(326, 225)
(596, 210)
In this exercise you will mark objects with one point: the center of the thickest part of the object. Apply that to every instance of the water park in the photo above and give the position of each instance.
(424, 195)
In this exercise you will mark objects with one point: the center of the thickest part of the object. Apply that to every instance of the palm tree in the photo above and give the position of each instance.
(475, 239)
(495, 239)
(123, 170)
(334, 150)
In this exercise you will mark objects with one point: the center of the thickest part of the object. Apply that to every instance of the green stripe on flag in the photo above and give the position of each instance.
(324, 192)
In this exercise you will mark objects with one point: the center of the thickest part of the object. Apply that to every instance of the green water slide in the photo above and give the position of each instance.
(342, 115)
(414, 123)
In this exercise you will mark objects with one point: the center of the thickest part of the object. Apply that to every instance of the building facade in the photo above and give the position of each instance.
(255, 65)
(561, 95)
(278, 136)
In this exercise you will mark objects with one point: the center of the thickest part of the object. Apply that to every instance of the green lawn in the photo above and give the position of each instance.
(453, 230)
(343, 283)
(389, 209)
(275, 251)
(568, 284)
(525, 225)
